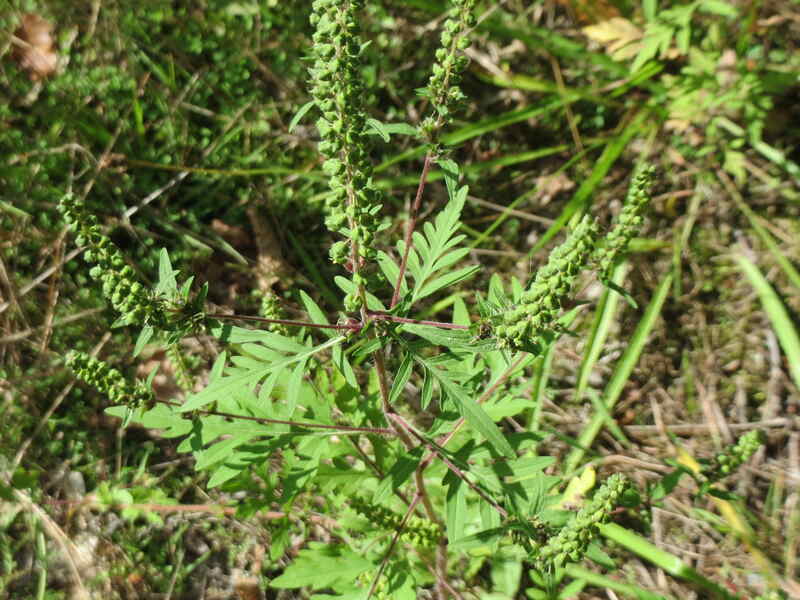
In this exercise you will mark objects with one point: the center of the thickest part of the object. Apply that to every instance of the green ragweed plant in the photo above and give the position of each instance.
(380, 410)
(111, 383)
(571, 542)
(167, 309)
(338, 92)
(120, 285)
(530, 323)
(443, 91)
(626, 225)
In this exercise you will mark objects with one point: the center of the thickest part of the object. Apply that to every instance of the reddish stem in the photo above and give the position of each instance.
(376, 430)
(412, 225)
(382, 316)
(349, 327)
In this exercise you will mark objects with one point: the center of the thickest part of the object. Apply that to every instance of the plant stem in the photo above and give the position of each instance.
(380, 367)
(437, 450)
(412, 224)
(383, 316)
(339, 428)
(348, 327)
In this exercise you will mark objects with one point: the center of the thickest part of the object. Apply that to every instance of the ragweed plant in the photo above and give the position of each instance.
(384, 411)
(338, 92)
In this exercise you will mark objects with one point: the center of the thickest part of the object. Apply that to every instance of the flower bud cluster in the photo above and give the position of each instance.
(725, 463)
(271, 309)
(627, 224)
(569, 544)
(120, 287)
(109, 381)
(417, 531)
(539, 307)
(450, 63)
(338, 90)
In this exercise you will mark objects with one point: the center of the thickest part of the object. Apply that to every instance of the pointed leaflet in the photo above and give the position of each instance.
(339, 357)
(301, 112)
(401, 378)
(471, 411)
(397, 475)
(249, 378)
(293, 390)
(167, 285)
(436, 249)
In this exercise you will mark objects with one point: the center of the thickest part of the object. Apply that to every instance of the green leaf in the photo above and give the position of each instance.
(436, 246)
(379, 128)
(401, 378)
(447, 280)
(427, 391)
(220, 451)
(527, 468)
(455, 508)
(669, 562)
(718, 7)
(400, 472)
(301, 112)
(401, 129)
(144, 336)
(167, 285)
(321, 565)
(247, 379)
(451, 175)
(293, 389)
(472, 412)
(781, 322)
(488, 537)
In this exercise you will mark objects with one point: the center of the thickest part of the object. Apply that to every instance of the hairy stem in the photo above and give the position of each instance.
(383, 316)
(346, 327)
(412, 225)
(338, 428)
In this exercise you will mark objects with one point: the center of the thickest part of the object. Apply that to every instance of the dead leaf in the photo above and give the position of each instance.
(270, 266)
(34, 47)
(549, 186)
(621, 38)
(589, 11)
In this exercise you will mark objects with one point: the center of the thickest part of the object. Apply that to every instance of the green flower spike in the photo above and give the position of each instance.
(570, 544)
(339, 93)
(120, 287)
(450, 63)
(533, 319)
(725, 463)
(271, 309)
(109, 381)
(420, 532)
(627, 224)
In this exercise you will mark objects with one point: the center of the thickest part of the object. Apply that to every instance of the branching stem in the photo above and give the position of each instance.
(347, 327)
(338, 428)
(383, 316)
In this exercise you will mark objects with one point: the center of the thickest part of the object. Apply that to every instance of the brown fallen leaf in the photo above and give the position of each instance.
(34, 50)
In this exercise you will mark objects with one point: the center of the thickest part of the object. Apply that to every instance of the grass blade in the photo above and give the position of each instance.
(621, 373)
(669, 562)
(778, 317)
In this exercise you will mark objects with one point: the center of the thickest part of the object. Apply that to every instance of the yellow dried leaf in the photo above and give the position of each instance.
(34, 47)
(621, 38)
